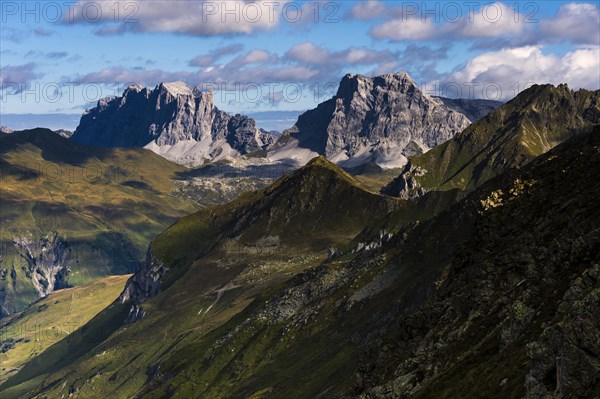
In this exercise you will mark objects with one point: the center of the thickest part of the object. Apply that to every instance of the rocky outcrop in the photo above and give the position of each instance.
(384, 119)
(47, 261)
(177, 122)
(144, 285)
(377, 242)
(405, 186)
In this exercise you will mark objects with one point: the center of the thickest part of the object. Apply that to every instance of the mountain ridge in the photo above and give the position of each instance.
(529, 125)
(71, 213)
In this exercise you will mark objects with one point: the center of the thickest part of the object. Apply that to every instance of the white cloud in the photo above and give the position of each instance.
(308, 53)
(195, 18)
(512, 70)
(492, 20)
(207, 60)
(579, 23)
(252, 57)
(366, 10)
(18, 76)
(407, 29)
(311, 54)
(574, 22)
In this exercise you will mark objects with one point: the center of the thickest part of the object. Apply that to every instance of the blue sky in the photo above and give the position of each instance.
(61, 56)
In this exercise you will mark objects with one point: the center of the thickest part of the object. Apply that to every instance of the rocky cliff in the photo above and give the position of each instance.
(384, 119)
(173, 120)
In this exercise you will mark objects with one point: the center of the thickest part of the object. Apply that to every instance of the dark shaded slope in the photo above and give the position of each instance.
(515, 312)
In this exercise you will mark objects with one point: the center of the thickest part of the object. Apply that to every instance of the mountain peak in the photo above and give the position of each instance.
(175, 88)
(168, 120)
(384, 119)
(135, 87)
(352, 83)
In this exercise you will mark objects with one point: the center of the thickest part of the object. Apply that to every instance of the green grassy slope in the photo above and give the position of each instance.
(94, 210)
(220, 260)
(49, 320)
(535, 121)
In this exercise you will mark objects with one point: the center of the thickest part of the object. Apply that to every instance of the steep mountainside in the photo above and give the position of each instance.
(535, 121)
(514, 312)
(472, 109)
(71, 213)
(217, 262)
(179, 123)
(497, 297)
(384, 119)
(24, 335)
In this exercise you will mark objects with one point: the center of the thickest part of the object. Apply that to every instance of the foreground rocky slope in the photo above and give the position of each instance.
(538, 119)
(514, 311)
(179, 123)
(384, 120)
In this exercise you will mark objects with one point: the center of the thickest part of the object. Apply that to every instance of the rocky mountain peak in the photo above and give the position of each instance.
(134, 88)
(384, 119)
(173, 120)
(175, 88)
(352, 84)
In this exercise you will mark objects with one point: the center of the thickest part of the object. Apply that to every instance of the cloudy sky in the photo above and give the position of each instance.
(62, 56)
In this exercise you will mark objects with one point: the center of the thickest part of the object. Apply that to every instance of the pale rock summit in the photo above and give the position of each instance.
(384, 119)
(173, 120)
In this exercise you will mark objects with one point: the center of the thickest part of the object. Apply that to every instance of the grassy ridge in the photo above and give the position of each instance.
(221, 260)
(535, 121)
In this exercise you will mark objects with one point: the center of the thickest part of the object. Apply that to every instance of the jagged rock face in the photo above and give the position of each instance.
(386, 119)
(406, 186)
(170, 120)
(47, 262)
(142, 286)
(472, 109)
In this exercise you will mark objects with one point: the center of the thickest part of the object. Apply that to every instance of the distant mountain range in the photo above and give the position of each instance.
(382, 120)
(31, 121)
